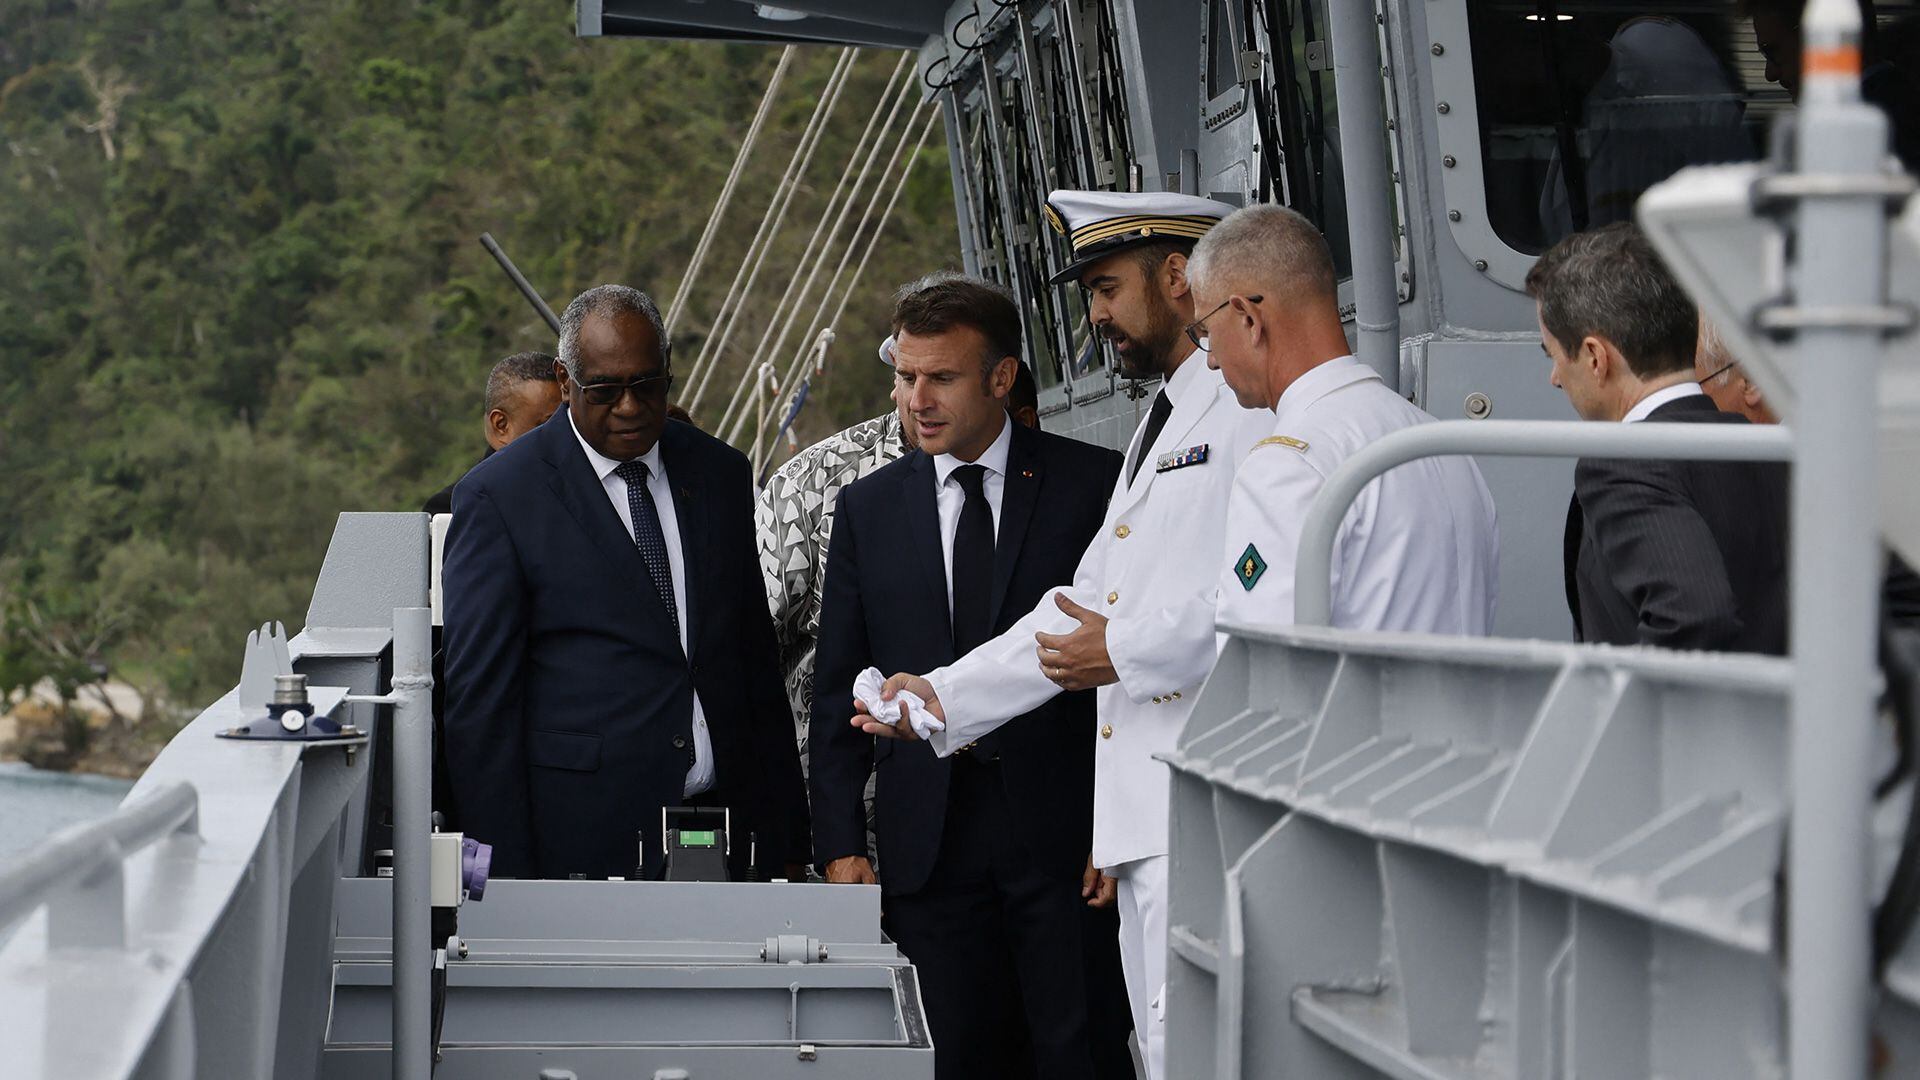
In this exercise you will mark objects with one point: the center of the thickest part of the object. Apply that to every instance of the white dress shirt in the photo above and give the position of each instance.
(1660, 397)
(952, 498)
(700, 776)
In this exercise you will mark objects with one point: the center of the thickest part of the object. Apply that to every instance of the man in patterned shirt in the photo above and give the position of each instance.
(794, 520)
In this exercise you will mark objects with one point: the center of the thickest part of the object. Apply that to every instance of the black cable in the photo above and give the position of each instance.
(1263, 118)
(945, 82)
(1894, 916)
(1316, 119)
(973, 17)
(1293, 151)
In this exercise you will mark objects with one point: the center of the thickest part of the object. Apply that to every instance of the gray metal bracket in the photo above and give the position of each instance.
(1776, 189)
(793, 949)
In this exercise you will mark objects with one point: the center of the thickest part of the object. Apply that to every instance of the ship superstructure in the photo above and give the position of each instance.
(1393, 856)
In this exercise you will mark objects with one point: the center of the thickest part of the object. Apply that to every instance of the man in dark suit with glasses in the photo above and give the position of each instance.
(608, 646)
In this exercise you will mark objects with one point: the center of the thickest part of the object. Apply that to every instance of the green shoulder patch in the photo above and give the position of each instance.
(1250, 567)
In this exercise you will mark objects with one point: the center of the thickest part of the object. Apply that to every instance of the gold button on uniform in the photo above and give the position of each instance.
(1122, 531)
(1176, 695)
(1106, 731)
(1113, 598)
(1156, 701)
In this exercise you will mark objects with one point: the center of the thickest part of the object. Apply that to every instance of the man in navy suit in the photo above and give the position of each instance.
(981, 855)
(608, 647)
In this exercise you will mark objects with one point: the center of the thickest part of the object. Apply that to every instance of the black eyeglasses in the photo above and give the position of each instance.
(1196, 330)
(1717, 372)
(646, 389)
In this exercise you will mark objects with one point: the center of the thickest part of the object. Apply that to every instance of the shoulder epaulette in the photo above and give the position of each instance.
(1282, 440)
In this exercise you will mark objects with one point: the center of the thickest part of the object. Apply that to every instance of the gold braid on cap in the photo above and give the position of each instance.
(1191, 227)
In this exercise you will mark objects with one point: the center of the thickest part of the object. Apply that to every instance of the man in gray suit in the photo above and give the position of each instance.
(1680, 554)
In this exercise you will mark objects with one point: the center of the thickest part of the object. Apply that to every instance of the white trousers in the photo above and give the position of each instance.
(1142, 899)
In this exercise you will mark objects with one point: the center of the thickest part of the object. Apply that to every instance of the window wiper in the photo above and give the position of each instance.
(1316, 117)
(1573, 168)
(1292, 150)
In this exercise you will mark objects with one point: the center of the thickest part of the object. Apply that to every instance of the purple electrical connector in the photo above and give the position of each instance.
(476, 861)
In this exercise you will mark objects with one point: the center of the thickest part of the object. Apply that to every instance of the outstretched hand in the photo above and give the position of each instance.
(1077, 660)
(897, 727)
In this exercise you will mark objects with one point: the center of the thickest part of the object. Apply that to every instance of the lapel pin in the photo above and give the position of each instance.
(1028, 473)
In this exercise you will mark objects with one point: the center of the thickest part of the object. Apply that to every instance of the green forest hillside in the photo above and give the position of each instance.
(240, 288)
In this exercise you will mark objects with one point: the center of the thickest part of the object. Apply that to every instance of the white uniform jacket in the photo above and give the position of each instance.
(1151, 571)
(1417, 551)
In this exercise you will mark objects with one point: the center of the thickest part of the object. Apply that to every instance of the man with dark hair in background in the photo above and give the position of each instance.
(521, 394)
(1887, 78)
(980, 855)
(1681, 554)
(1023, 401)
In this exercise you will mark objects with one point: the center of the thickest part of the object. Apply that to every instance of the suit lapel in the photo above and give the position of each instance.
(690, 511)
(923, 528)
(1017, 497)
(585, 500)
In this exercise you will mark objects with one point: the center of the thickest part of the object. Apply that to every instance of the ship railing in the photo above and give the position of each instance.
(190, 933)
(1313, 567)
(78, 874)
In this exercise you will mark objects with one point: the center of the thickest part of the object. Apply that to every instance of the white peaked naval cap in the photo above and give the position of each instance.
(1099, 223)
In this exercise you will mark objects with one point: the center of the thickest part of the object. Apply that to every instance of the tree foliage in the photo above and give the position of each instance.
(240, 289)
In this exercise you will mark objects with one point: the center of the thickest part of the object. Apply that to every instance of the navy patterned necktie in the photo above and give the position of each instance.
(646, 532)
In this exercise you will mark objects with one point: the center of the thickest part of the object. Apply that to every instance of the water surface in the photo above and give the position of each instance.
(34, 804)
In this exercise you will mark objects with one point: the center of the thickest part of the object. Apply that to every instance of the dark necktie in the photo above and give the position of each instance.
(1162, 408)
(972, 563)
(646, 532)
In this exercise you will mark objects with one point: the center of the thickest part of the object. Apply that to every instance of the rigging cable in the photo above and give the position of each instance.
(797, 366)
(787, 318)
(813, 255)
(748, 406)
(749, 271)
(873, 239)
(701, 372)
(726, 190)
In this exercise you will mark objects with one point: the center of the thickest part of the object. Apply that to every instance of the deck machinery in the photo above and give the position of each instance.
(1393, 856)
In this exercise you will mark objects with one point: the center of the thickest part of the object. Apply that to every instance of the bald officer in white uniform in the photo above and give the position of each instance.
(1418, 550)
(1138, 619)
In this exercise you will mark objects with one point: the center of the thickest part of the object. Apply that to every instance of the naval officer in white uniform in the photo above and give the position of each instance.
(1138, 619)
(1418, 550)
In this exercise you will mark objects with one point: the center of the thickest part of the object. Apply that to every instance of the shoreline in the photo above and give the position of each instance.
(15, 770)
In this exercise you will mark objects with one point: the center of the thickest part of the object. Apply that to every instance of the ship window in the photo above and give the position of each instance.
(1299, 123)
(1221, 76)
(1584, 105)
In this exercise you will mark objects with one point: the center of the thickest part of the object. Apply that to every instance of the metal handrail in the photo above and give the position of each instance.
(1313, 567)
(73, 860)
